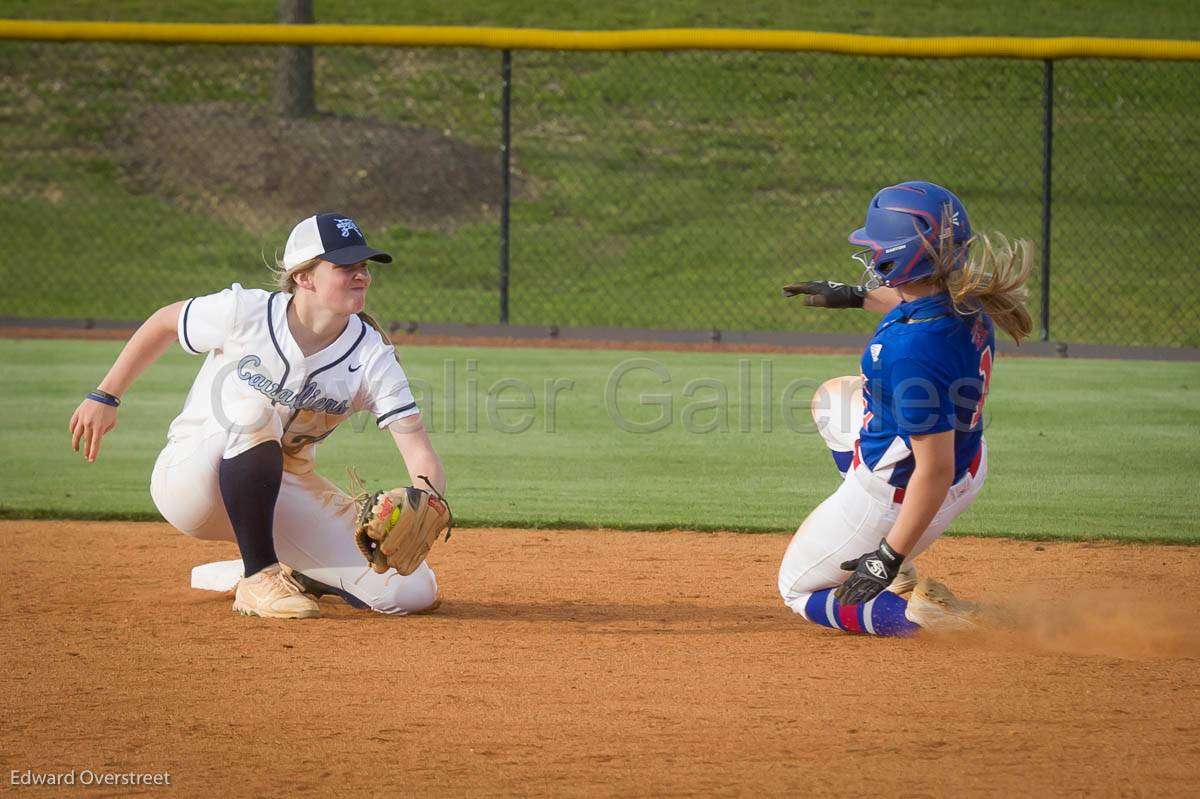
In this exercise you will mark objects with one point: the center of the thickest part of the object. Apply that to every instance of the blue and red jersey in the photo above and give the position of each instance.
(925, 370)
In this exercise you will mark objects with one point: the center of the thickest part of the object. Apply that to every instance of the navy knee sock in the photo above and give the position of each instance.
(249, 487)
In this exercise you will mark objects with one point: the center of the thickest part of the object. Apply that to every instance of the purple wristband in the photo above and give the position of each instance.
(104, 397)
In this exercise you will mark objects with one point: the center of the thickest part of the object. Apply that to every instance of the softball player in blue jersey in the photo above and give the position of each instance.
(907, 432)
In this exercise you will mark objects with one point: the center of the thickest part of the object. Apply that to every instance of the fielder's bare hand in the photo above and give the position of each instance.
(873, 572)
(90, 423)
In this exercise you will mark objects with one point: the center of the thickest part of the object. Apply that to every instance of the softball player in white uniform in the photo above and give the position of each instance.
(282, 369)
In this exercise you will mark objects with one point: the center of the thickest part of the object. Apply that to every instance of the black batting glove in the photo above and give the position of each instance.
(827, 294)
(873, 572)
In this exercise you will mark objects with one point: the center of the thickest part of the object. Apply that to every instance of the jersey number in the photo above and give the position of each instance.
(866, 393)
(985, 371)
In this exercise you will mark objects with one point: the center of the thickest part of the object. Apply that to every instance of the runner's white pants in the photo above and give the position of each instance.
(314, 520)
(861, 511)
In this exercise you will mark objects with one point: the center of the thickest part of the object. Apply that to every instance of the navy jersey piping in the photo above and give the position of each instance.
(353, 347)
(327, 367)
(287, 366)
(186, 341)
(401, 409)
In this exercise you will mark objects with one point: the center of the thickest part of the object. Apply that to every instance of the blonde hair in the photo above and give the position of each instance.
(991, 280)
(284, 280)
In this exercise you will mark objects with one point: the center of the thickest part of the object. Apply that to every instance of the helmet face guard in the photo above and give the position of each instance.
(904, 223)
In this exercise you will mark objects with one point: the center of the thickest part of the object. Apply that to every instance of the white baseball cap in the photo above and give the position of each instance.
(330, 237)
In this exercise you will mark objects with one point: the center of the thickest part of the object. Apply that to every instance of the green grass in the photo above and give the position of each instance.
(664, 190)
(1078, 449)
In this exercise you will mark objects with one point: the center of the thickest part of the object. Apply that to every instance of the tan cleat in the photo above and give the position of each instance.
(934, 607)
(274, 594)
(906, 579)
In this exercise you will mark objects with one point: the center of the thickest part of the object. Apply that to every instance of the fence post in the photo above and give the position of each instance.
(1047, 155)
(505, 187)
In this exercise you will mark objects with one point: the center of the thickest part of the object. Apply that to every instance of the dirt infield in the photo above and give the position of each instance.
(597, 663)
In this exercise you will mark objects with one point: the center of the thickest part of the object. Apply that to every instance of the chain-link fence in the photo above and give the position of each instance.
(671, 190)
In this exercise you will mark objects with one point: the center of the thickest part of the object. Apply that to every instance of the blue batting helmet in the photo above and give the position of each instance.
(897, 220)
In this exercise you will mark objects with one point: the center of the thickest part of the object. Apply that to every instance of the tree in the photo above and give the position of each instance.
(294, 96)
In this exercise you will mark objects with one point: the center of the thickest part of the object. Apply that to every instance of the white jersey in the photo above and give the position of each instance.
(255, 369)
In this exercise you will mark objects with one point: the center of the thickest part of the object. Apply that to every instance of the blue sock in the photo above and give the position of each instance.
(842, 460)
(883, 615)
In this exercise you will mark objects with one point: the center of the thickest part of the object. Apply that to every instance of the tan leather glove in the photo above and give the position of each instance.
(395, 529)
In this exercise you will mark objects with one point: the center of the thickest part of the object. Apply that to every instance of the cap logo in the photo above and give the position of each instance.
(345, 226)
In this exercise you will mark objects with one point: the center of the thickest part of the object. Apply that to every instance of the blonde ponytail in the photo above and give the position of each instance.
(370, 320)
(991, 280)
(995, 280)
(387, 337)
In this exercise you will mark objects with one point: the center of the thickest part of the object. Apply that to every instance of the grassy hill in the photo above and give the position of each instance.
(655, 190)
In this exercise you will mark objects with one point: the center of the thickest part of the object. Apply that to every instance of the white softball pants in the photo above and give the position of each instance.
(314, 521)
(861, 511)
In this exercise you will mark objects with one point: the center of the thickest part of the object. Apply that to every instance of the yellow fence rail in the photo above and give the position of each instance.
(665, 39)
